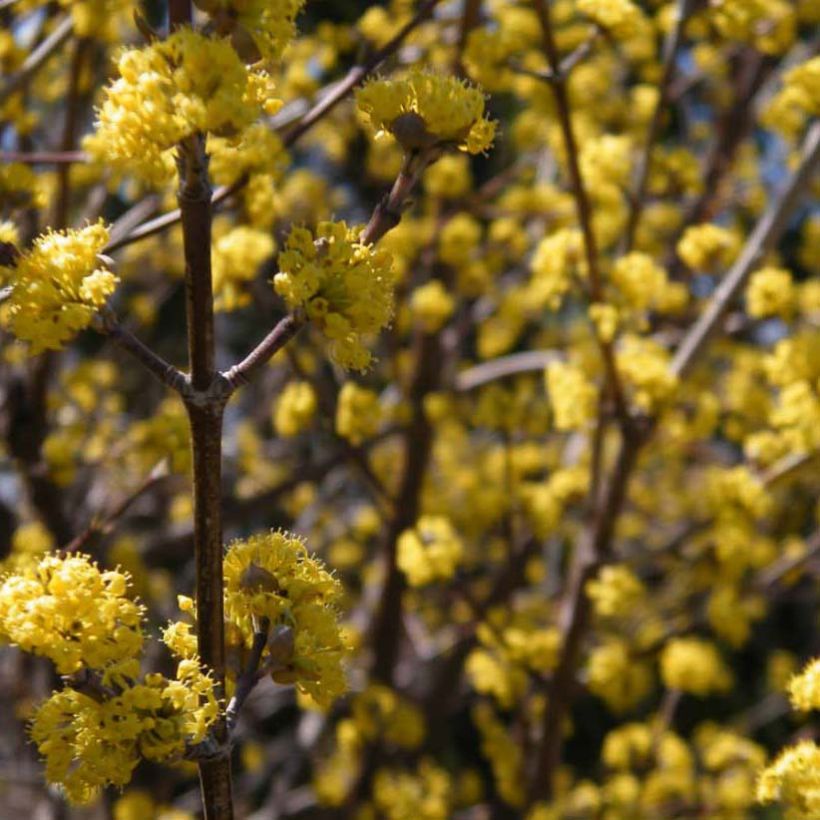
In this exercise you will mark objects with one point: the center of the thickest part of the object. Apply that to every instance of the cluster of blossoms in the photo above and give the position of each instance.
(171, 90)
(57, 286)
(272, 578)
(96, 730)
(431, 551)
(343, 287)
(424, 110)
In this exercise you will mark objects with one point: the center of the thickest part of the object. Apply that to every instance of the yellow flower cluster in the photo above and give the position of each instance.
(422, 110)
(798, 100)
(431, 551)
(769, 25)
(707, 247)
(295, 409)
(621, 17)
(644, 365)
(556, 260)
(425, 794)
(92, 741)
(694, 666)
(272, 576)
(504, 754)
(617, 676)
(431, 306)
(616, 591)
(804, 689)
(167, 91)
(271, 23)
(344, 287)
(770, 292)
(28, 544)
(235, 259)
(57, 286)
(794, 780)
(573, 397)
(256, 150)
(67, 610)
(358, 413)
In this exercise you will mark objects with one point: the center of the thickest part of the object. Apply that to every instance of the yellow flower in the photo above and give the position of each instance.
(770, 292)
(236, 258)
(430, 551)
(57, 286)
(422, 110)
(573, 397)
(804, 689)
(621, 17)
(358, 413)
(794, 780)
(67, 610)
(167, 91)
(344, 287)
(272, 576)
(708, 246)
(294, 409)
(431, 306)
(694, 666)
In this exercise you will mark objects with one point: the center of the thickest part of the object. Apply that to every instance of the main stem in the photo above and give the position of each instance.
(205, 416)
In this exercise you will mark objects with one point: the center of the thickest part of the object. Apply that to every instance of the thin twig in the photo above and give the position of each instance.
(249, 677)
(486, 372)
(281, 334)
(670, 52)
(108, 324)
(763, 238)
(38, 57)
(44, 157)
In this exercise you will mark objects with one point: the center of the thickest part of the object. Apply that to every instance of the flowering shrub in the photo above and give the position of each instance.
(409, 410)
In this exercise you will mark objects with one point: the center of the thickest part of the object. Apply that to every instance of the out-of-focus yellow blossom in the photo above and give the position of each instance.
(20, 187)
(431, 306)
(708, 247)
(256, 150)
(69, 611)
(422, 110)
(621, 17)
(619, 679)
(556, 260)
(449, 178)
(644, 365)
(430, 551)
(573, 397)
(57, 286)
(458, 239)
(767, 24)
(402, 795)
(616, 591)
(295, 409)
(345, 288)
(164, 435)
(694, 666)
(798, 100)
(28, 544)
(358, 413)
(770, 292)
(167, 91)
(605, 319)
(235, 260)
(272, 576)
(504, 754)
(639, 280)
(794, 780)
(137, 804)
(271, 23)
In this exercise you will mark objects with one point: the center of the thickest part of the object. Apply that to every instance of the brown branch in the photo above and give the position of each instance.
(249, 677)
(38, 57)
(244, 371)
(583, 206)
(525, 362)
(107, 324)
(671, 48)
(763, 238)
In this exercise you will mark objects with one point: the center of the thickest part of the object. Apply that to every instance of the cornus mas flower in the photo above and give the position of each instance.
(422, 110)
(186, 84)
(67, 610)
(430, 551)
(344, 287)
(57, 286)
(89, 742)
(271, 576)
(269, 22)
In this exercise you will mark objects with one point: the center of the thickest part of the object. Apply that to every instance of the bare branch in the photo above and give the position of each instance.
(763, 238)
